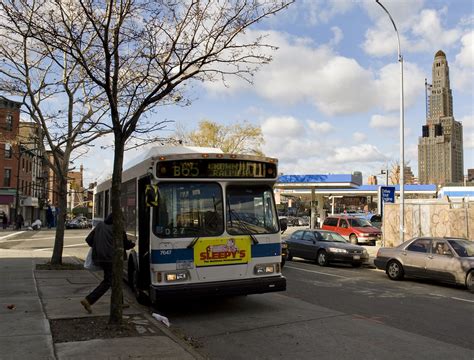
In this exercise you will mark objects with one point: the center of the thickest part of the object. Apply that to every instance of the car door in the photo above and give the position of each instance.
(294, 243)
(442, 263)
(343, 228)
(415, 257)
(308, 245)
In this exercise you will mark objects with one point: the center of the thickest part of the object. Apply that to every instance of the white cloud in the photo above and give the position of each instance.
(467, 121)
(303, 73)
(358, 154)
(465, 56)
(314, 12)
(430, 30)
(320, 128)
(359, 137)
(388, 85)
(462, 72)
(420, 30)
(469, 140)
(384, 122)
(287, 126)
(338, 35)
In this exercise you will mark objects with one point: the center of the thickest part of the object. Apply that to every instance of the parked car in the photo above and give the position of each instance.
(448, 260)
(325, 247)
(77, 223)
(352, 228)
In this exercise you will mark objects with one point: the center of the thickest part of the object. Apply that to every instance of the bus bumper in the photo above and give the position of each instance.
(235, 287)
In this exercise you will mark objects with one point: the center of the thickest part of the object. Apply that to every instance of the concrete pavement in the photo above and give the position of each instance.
(31, 298)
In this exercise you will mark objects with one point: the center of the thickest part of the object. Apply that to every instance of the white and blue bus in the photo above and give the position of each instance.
(205, 223)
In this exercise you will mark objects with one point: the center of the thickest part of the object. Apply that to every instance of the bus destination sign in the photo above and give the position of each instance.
(216, 168)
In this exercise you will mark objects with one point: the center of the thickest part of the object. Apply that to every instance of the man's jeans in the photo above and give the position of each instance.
(102, 288)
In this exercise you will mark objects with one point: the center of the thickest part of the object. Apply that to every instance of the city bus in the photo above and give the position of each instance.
(204, 223)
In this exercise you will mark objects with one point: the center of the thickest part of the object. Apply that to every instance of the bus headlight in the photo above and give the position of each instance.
(263, 269)
(176, 276)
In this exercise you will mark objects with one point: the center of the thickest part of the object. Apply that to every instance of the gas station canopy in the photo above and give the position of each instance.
(327, 181)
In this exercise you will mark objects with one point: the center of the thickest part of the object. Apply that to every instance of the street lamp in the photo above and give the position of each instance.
(402, 132)
(384, 172)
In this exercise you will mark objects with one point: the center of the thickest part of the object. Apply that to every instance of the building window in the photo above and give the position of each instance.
(8, 151)
(9, 122)
(7, 175)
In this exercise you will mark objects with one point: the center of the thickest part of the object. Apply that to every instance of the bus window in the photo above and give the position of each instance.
(251, 209)
(188, 210)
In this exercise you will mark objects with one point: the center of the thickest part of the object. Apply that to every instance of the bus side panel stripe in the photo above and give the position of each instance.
(265, 250)
(170, 257)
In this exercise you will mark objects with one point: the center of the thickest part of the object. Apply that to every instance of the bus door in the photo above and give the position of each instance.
(143, 234)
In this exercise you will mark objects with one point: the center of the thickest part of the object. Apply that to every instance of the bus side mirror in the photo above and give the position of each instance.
(283, 225)
(151, 195)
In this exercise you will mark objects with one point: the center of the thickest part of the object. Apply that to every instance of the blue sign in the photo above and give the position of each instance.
(387, 194)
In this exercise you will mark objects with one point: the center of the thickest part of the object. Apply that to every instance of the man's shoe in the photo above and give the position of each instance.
(86, 305)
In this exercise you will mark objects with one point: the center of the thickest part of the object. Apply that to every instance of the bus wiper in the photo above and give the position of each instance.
(242, 225)
(191, 245)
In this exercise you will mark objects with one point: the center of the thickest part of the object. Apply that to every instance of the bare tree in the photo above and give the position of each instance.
(140, 53)
(54, 96)
(394, 175)
(241, 138)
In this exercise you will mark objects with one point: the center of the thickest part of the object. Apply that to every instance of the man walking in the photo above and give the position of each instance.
(102, 243)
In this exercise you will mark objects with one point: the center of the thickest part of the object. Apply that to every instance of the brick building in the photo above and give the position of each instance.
(9, 156)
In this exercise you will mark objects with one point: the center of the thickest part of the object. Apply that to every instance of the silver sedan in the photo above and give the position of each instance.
(449, 260)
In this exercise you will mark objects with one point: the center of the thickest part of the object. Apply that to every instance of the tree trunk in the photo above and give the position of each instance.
(57, 257)
(117, 291)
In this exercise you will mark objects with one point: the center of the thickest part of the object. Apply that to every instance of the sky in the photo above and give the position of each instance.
(329, 102)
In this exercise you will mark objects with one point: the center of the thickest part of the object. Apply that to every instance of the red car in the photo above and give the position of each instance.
(352, 228)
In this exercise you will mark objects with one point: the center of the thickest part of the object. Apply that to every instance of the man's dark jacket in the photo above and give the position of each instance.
(102, 242)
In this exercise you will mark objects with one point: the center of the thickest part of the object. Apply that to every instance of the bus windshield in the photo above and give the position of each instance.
(250, 210)
(189, 210)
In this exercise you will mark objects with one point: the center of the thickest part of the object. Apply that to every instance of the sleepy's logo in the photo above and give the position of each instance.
(222, 251)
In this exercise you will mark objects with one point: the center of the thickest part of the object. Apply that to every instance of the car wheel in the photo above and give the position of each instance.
(395, 270)
(356, 265)
(470, 281)
(289, 256)
(322, 258)
(353, 239)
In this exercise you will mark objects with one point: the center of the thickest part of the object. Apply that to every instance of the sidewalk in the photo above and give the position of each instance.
(31, 298)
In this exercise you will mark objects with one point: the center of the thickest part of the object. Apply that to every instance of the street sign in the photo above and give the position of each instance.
(386, 194)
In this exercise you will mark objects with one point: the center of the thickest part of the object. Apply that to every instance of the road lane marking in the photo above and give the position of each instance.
(316, 272)
(39, 239)
(461, 299)
(65, 246)
(10, 235)
(451, 297)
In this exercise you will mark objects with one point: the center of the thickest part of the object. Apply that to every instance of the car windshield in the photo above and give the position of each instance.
(463, 248)
(360, 223)
(331, 236)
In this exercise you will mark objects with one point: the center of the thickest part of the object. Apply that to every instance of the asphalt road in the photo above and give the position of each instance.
(334, 312)
(43, 240)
